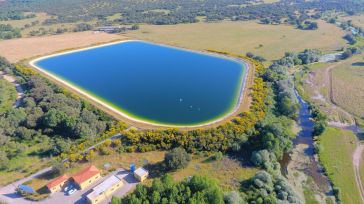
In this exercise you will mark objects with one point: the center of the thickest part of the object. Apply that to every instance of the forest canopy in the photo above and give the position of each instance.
(184, 11)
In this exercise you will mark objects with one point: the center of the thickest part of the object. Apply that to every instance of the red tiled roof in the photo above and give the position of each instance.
(85, 174)
(57, 181)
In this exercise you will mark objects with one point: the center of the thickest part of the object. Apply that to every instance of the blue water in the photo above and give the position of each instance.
(152, 82)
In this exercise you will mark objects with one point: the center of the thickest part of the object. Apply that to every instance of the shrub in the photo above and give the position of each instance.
(217, 156)
(178, 158)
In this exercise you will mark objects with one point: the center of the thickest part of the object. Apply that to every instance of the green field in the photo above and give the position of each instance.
(269, 41)
(7, 95)
(336, 156)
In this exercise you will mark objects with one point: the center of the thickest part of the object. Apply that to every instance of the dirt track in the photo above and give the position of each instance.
(351, 125)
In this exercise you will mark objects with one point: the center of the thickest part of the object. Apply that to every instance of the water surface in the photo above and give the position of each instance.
(153, 83)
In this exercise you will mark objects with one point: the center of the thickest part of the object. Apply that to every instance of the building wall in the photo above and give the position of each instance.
(90, 181)
(141, 178)
(57, 188)
(107, 193)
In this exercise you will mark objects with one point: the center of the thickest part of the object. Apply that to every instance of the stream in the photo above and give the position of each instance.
(303, 144)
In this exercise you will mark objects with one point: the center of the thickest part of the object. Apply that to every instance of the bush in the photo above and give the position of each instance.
(233, 197)
(217, 156)
(337, 193)
(178, 158)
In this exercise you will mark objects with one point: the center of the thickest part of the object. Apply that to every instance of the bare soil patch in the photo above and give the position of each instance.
(24, 48)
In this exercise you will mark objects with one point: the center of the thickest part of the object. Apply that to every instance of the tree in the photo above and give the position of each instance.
(176, 159)
(135, 27)
(115, 200)
(196, 189)
(4, 160)
(312, 26)
(266, 160)
(90, 155)
(58, 168)
(233, 197)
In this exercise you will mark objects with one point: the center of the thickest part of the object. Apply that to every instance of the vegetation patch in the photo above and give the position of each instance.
(269, 41)
(8, 95)
(339, 144)
(348, 85)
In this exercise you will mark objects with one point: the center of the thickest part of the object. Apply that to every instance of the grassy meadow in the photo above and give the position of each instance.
(315, 88)
(22, 166)
(226, 171)
(348, 85)
(269, 41)
(336, 156)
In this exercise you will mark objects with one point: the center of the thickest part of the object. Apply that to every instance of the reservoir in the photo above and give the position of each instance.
(152, 83)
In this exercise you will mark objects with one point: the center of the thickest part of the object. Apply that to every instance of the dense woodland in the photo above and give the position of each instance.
(48, 117)
(184, 11)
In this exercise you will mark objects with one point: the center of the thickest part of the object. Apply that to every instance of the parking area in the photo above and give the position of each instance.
(79, 196)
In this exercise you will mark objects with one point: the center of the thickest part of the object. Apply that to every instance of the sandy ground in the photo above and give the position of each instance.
(25, 48)
(297, 177)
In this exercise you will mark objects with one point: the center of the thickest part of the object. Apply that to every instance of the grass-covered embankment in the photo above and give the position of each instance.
(337, 147)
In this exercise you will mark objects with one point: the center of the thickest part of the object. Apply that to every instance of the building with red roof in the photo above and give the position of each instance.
(57, 183)
(86, 177)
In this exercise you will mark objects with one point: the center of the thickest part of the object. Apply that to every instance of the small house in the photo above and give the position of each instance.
(104, 189)
(141, 174)
(58, 183)
(86, 177)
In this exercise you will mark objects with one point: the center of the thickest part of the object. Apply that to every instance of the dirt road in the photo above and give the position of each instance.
(356, 161)
(350, 125)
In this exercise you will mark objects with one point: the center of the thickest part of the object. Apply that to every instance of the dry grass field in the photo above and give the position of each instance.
(269, 41)
(24, 48)
(316, 88)
(348, 85)
(357, 20)
(21, 23)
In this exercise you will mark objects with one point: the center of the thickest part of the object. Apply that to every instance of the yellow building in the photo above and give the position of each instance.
(57, 183)
(104, 189)
(141, 174)
(87, 177)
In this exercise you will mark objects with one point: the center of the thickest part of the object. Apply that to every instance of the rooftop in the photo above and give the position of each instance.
(26, 188)
(141, 171)
(85, 174)
(57, 181)
(104, 186)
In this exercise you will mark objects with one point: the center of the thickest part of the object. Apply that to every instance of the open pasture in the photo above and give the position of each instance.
(269, 41)
(348, 85)
(25, 48)
(357, 20)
